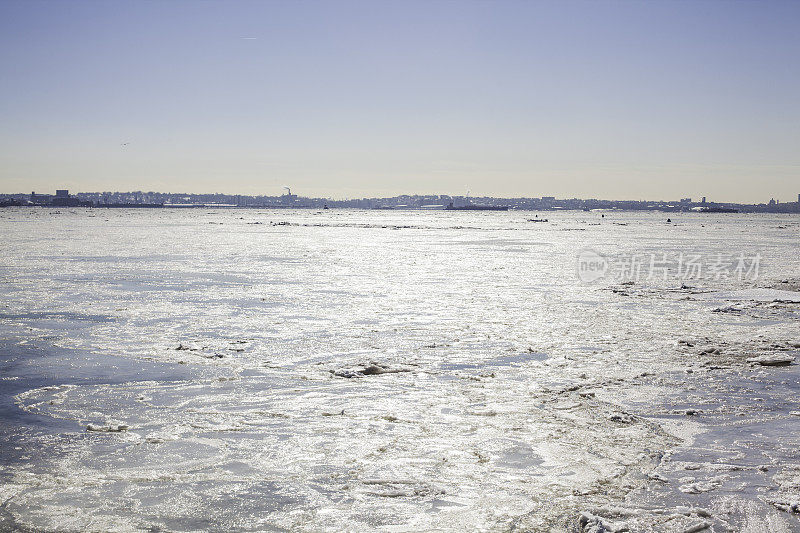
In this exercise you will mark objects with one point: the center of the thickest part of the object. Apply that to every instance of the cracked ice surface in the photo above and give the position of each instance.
(191, 370)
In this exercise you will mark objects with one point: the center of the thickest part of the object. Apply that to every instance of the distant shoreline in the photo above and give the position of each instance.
(151, 199)
(739, 210)
(140, 199)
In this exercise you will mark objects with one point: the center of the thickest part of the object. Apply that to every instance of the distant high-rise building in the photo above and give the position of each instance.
(62, 193)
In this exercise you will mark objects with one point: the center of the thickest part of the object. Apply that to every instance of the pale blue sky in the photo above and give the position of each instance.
(653, 100)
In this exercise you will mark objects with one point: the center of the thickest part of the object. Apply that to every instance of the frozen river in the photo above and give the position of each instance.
(249, 370)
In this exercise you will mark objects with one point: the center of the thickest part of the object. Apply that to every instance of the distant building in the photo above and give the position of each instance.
(40, 199)
(61, 199)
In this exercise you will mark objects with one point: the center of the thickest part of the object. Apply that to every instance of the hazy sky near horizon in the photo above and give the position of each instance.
(600, 99)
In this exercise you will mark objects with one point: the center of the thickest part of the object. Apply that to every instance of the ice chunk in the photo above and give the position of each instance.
(772, 360)
(107, 428)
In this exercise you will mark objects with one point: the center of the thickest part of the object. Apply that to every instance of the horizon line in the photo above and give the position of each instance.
(348, 199)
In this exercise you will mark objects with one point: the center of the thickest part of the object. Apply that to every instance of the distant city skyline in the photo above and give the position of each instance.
(355, 99)
(676, 198)
(152, 199)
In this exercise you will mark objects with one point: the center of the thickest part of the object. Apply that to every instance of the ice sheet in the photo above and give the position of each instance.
(163, 372)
